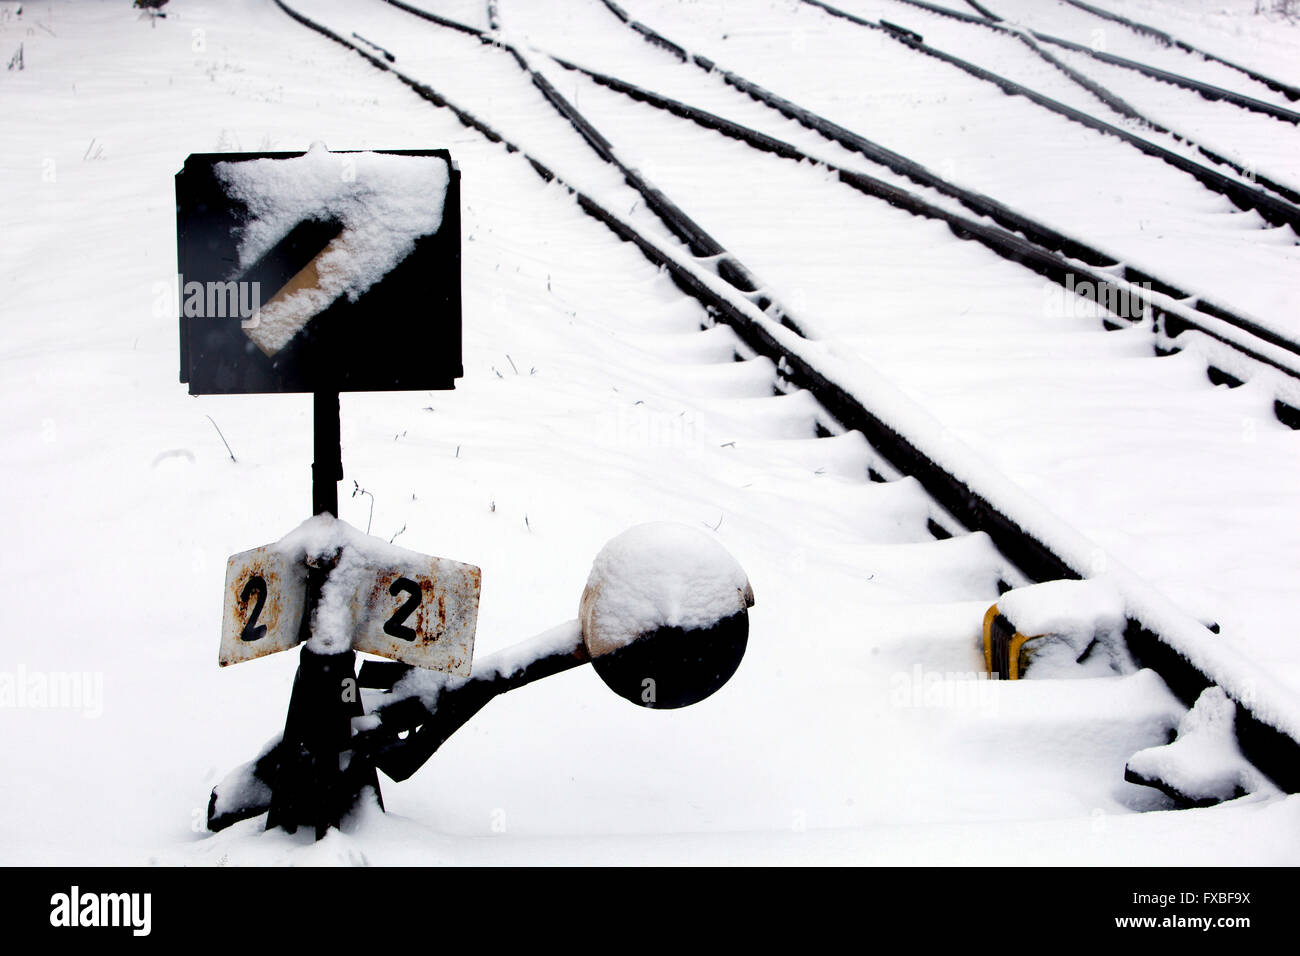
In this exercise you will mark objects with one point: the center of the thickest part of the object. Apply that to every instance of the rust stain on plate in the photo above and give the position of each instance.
(438, 631)
(262, 591)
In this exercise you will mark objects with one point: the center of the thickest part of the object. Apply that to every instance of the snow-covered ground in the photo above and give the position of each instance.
(854, 730)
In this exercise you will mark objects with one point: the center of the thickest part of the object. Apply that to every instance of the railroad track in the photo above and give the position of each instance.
(1129, 299)
(1047, 251)
(1206, 90)
(1248, 171)
(967, 494)
(990, 20)
(1126, 298)
(849, 90)
(1290, 92)
(1280, 210)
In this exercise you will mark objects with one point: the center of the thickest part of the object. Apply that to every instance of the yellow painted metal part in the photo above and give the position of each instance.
(1013, 654)
(989, 617)
(1015, 645)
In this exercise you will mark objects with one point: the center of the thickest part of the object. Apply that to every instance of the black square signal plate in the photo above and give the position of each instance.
(319, 271)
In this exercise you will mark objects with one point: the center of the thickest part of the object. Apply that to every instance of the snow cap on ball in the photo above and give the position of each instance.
(655, 576)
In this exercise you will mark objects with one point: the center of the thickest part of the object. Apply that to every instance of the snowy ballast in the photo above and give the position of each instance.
(1203, 766)
(1066, 629)
(382, 204)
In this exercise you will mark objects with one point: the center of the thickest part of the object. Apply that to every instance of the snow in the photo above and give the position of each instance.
(427, 685)
(1267, 144)
(1204, 763)
(1262, 143)
(858, 730)
(486, 81)
(1067, 618)
(382, 202)
(323, 536)
(352, 558)
(241, 788)
(659, 575)
(563, 639)
(1243, 31)
(1064, 607)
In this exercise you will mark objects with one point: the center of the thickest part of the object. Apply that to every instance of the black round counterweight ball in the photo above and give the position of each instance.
(672, 667)
(664, 615)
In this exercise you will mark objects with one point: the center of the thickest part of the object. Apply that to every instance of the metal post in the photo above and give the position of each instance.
(327, 464)
(317, 776)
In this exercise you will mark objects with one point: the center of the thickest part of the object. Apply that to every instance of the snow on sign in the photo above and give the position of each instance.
(302, 272)
(372, 597)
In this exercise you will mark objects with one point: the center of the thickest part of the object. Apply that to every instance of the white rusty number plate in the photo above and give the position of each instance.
(265, 596)
(424, 614)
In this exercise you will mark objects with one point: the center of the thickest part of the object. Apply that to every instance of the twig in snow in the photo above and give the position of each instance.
(399, 531)
(714, 527)
(512, 363)
(358, 490)
(223, 439)
(526, 524)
